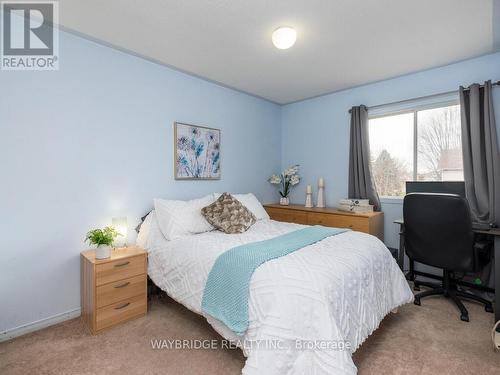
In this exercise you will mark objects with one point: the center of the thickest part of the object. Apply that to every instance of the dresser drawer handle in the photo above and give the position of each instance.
(122, 264)
(122, 285)
(122, 306)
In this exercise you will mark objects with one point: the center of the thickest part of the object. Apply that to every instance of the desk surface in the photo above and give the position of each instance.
(492, 232)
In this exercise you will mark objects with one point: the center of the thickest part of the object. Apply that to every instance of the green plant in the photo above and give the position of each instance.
(104, 236)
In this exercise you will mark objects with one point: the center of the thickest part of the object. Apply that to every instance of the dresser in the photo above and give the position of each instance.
(113, 290)
(372, 222)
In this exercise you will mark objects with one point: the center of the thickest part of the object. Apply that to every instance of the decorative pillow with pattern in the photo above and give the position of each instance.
(228, 215)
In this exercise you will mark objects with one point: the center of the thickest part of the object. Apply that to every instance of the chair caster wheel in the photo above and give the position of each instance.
(417, 302)
(488, 308)
(464, 318)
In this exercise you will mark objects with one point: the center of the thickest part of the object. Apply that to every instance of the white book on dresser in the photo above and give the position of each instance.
(355, 202)
(354, 208)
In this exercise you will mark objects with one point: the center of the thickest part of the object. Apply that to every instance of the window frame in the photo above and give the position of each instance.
(414, 108)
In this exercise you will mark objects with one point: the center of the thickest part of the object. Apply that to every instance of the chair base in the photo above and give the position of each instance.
(450, 291)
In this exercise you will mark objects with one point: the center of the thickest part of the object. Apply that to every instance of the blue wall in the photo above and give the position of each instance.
(316, 131)
(94, 140)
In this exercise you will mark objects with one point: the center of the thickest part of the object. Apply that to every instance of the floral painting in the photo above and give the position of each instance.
(197, 152)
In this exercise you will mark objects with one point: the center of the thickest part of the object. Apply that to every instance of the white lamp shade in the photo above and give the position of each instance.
(284, 37)
(121, 226)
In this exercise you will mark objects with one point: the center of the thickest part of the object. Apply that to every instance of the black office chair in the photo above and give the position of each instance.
(438, 232)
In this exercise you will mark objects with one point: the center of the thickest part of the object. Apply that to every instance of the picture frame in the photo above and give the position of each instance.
(197, 152)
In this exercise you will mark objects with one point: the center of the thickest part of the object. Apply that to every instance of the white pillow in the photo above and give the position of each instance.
(150, 234)
(182, 218)
(251, 202)
(142, 237)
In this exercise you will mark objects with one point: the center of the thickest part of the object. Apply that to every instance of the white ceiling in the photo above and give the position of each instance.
(340, 43)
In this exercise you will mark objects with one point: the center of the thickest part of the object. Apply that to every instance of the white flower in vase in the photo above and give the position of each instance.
(287, 179)
(294, 180)
(275, 179)
(291, 171)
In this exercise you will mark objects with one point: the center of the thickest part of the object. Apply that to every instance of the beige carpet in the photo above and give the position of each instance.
(429, 339)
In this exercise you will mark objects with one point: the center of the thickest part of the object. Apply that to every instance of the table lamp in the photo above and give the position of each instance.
(121, 226)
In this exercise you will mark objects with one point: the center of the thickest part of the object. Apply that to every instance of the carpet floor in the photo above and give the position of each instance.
(429, 339)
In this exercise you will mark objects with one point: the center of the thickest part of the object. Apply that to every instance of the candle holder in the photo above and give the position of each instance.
(321, 193)
(309, 200)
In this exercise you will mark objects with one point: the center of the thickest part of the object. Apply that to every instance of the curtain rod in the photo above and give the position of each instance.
(497, 83)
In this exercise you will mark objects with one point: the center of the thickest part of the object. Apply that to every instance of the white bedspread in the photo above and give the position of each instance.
(303, 306)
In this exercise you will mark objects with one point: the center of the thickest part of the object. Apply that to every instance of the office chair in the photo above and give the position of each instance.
(438, 232)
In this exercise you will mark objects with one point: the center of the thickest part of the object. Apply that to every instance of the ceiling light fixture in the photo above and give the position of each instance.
(284, 37)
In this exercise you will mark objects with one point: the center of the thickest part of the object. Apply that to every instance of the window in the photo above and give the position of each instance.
(417, 145)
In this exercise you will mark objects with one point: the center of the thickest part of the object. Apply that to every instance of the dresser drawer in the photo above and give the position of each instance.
(289, 216)
(371, 223)
(339, 221)
(118, 312)
(120, 269)
(120, 290)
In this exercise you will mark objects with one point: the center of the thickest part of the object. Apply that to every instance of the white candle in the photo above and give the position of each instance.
(309, 189)
(321, 182)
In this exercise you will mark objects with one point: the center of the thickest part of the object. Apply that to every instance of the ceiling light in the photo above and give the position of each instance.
(284, 37)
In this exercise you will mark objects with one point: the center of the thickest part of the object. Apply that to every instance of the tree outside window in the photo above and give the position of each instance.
(419, 145)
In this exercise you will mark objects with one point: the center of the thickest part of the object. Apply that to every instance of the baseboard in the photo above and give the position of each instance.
(39, 324)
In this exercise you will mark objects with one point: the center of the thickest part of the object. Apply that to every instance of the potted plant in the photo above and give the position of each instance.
(287, 179)
(102, 239)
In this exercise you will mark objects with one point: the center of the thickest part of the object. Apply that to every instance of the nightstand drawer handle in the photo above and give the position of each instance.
(122, 285)
(121, 264)
(122, 306)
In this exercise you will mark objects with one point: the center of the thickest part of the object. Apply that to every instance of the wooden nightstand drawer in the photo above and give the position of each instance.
(120, 290)
(118, 312)
(120, 269)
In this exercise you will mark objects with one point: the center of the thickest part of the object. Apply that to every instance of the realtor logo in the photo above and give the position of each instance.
(30, 38)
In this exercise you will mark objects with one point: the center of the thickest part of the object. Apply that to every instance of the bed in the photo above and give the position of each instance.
(308, 311)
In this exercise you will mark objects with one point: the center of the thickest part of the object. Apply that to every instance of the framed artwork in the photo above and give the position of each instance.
(196, 152)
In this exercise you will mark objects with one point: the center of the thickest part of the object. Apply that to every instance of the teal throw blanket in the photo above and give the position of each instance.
(227, 289)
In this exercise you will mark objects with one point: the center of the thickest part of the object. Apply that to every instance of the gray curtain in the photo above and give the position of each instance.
(360, 178)
(480, 152)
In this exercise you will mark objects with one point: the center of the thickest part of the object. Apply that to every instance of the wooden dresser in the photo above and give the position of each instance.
(372, 223)
(113, 289)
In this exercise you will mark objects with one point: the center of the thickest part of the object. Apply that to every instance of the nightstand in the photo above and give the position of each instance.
(113, 290)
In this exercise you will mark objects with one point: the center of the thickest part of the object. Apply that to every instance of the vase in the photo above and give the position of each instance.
(284, 201)
(102, 252)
